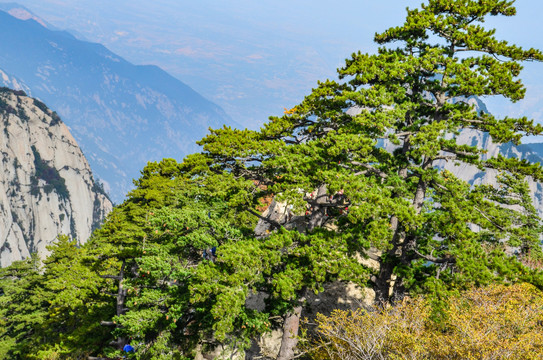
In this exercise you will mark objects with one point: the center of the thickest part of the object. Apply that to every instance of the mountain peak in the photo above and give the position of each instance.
(122, 115)
(46, 185)
(22, 13)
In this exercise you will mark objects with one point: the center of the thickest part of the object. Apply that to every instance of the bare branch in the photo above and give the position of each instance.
(107, 323)
(439, 186)
(445, 157)
(458, 152)
(371, 169)
(405, 133)
(269, 221)
(473, 121)
(114, 277)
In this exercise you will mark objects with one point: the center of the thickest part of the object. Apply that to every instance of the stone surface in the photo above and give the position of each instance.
(33, 209)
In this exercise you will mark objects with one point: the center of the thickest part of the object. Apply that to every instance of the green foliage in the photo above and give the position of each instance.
(22, 306)
(6, 108)
(357, 169)
(330, 160)
(159, 233)
(75, 302)
(51, 176)
(6, 90)
(51, 308)
(55, 119)
(376, 141)
(41, 106)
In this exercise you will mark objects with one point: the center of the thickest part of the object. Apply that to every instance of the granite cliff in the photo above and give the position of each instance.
(46, 185)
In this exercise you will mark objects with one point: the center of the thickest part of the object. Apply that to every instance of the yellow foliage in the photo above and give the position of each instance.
(497, 322)
(290, 111)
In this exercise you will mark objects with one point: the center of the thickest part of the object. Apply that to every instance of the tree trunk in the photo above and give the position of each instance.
(290, 334)
(401, 253)
(121, 296)
(383, 282)
(318, 211)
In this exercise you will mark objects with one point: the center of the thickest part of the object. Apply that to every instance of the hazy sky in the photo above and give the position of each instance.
(255, 57)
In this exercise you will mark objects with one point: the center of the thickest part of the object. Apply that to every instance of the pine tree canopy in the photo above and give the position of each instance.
(364, 157)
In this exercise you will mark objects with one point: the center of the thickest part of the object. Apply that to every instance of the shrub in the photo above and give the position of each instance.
(496, 322)
(51, 176)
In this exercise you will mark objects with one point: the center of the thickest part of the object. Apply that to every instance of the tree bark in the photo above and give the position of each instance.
(385, 279)
(404, 246)
(387, 288)
(290, 334)
(121, 296)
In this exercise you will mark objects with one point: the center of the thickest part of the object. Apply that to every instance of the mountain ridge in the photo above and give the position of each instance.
(122, 115)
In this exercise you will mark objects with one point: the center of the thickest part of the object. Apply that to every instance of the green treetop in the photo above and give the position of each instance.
(51, 309)
(362, 157)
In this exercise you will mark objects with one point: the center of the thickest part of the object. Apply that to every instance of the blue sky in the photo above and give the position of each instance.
(256, 57)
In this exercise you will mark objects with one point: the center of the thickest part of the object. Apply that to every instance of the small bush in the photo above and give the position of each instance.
(497, 322)
(55, 119)
(41, 106)
(50, 175)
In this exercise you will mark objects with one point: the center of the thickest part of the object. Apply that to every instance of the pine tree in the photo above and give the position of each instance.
(330, 157)
(75, 304)
(153, 249)
(51, 309)
(121, 241)
(22, 306)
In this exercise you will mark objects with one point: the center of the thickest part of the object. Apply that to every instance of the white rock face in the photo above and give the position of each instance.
(40, 199)
(474, 176)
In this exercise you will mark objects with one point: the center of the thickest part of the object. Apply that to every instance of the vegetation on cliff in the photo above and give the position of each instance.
(356, 167)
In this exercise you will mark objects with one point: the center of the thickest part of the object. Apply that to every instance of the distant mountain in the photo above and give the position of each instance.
(122, 115)
(22, 13)
(46, 185)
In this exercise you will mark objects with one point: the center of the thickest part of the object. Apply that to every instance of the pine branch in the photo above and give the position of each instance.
(461, 153)
(434, 259)
(269, 221)
(445, 157)
(370, 168)
(490, 220)
(114, 277)
(107, 323)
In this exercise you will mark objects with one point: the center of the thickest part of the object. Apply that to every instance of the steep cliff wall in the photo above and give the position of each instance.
(46, 185)
(474, 176)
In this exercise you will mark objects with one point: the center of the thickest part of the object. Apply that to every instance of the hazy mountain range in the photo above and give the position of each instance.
(254, 58)
(122, 115)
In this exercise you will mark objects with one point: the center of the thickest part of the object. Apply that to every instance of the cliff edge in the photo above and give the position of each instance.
(46, 185)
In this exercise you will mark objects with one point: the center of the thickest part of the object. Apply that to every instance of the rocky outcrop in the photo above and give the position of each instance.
(46, 185)
(474, 176)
